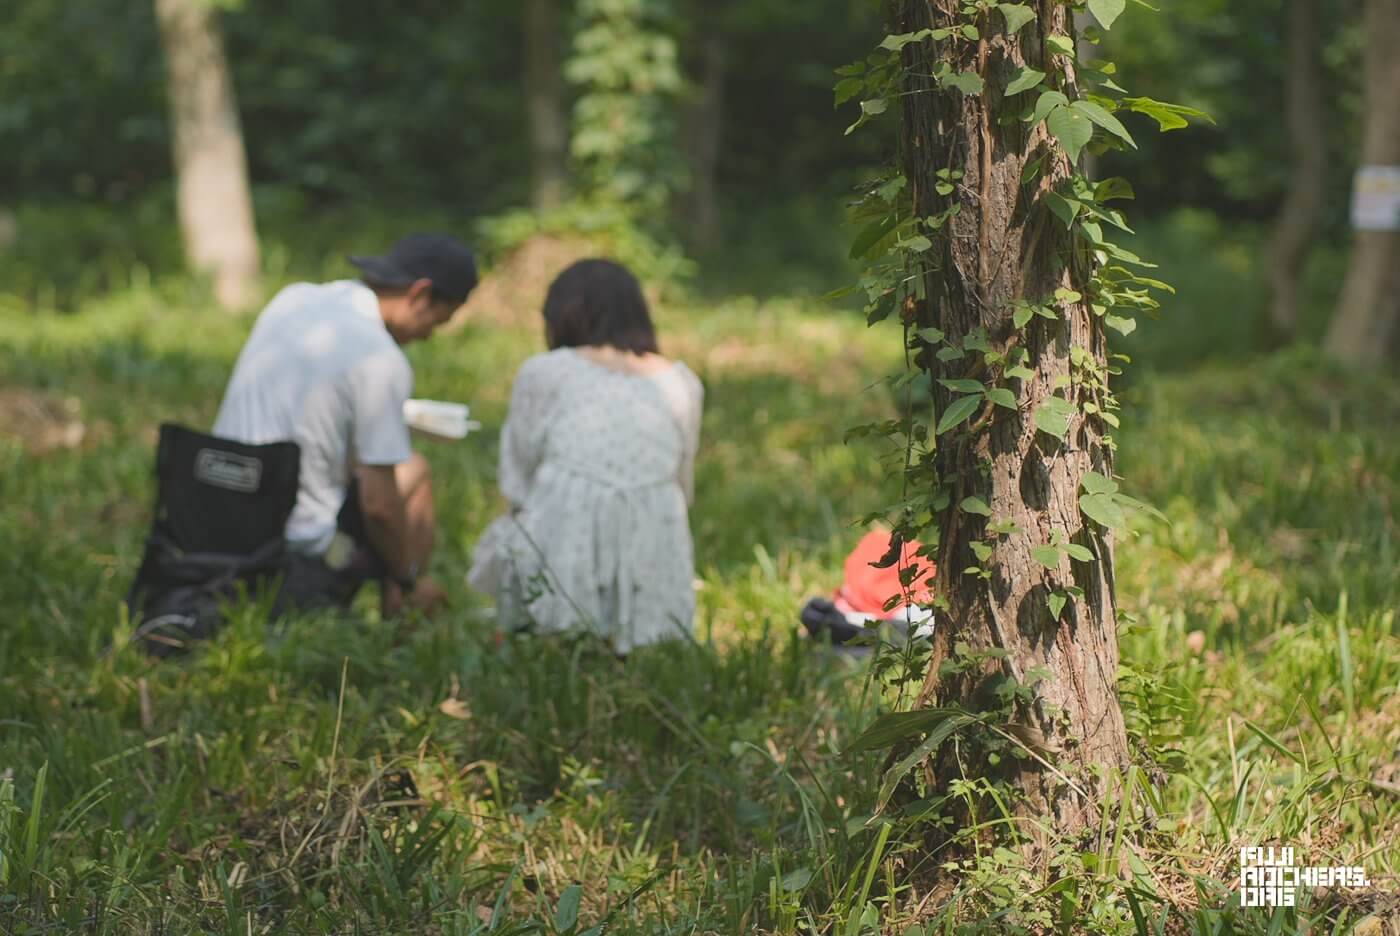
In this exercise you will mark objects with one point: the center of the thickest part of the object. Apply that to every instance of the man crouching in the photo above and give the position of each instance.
(324, 368)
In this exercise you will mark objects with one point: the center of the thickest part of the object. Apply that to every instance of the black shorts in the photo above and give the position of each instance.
(311, 583)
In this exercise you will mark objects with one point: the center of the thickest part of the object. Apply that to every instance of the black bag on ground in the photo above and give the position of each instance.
(221, 511)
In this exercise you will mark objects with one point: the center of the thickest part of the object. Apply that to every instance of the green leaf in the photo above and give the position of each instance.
(897, 42)
(1022, 315)
(981, 550)
(966, 82)
(1095, 483)
(1103, 509)
(963, 386)
(1057, 603)
(927, 748)
(1124, 326)
(1106, 11)
(1032, 169)
(949, 353)
(1078, 553)
(1061, 44)
(1020, 372)
(874, 106)
(566, 914)
(1025, 79)
(1116, 187)
(1168, 116)
(1063, 208)
(1071, 128)
(975, 505)
(960, 409)
(1002, 397)
(1104, 119)
(797, 879)
(918, 243)
(931, 335)
(848, 88)
(892, 727)
(971, 32)
(1047, 102)
(1048, 556)
(1068, 295)
(870, 235)
(1016, 15)
(1053, 415)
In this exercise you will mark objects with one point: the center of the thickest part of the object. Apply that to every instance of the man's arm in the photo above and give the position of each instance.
(382, 505)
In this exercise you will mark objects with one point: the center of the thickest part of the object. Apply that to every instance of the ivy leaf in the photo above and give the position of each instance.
(1048, 556)
(1052, 416)
(1168, 116)
(897, 42)
(1078, 553)
(1022, 315)
(1047, 102)
(874, 106)
(971, 32)
(918, 243)
(1020, 372)
(1124, 326)
(870, 235)
(1057, 603)
(931, 335)
(966, 82)
(1061, 44)
(976, 340)
(1025, 79)
(1071, 128)
(1016, 15)
(981, 550)
(1116, 187)
(1032, 169)
(960, 409)
(1103, 509)
(1002, 397)
(949, 353)
(1104, 119)
(1095, 483)
(848, 88)
(1106, 11)
(975, 505)
(1063, 208)
(963, 386)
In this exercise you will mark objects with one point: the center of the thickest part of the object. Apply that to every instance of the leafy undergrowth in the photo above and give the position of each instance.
(354, 776)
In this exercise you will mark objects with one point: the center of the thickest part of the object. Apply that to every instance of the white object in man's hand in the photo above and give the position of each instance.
(438, 418)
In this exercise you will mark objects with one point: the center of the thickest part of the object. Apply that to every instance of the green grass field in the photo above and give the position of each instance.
(343, 776)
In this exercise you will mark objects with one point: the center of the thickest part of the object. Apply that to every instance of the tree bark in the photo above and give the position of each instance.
(544, 95)
(1004, 245)
(1366, 326)
(1302, 201)
(705, 130)
(211, 167)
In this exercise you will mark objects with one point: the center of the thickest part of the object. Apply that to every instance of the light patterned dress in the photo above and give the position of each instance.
(598, 466)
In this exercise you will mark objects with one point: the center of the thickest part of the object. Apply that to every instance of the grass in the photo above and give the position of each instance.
(339, 776)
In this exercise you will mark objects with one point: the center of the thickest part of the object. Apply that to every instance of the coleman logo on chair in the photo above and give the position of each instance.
(226, 470)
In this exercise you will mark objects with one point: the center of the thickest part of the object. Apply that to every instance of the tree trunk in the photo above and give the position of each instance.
(211, 168)
(1004, 245)
(1366, 325)
(705, 130)
(544, 94)
(1302, 202)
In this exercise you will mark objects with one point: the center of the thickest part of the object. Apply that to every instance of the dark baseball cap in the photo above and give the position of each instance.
(441, 258)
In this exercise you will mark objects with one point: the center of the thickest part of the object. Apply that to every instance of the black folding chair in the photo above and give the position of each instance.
(221, 512)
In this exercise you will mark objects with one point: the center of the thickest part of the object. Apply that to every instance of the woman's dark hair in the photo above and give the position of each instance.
(598, 302)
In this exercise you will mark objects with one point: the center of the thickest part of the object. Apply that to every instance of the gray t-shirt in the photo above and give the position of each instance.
(321, 370)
